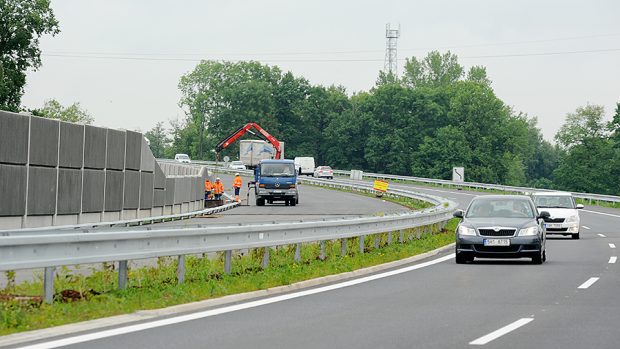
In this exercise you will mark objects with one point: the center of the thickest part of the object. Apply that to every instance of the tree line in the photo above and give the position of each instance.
(436, 116)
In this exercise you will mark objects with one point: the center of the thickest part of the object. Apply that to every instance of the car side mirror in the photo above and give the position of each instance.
(544, 215)
(458, 214)
(579, 206)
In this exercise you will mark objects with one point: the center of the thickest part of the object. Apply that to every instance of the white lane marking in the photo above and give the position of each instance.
(228, 309)
(588, 283)
(613, 259)
(612, 245)
(502, 331)
(586, 228)
(603, 213)
(602, 235)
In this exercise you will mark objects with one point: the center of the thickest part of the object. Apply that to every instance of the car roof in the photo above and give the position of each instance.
(497, 197)
(272, 161)
(553, 193)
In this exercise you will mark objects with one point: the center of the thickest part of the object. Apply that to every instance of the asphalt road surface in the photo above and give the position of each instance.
(571, 301)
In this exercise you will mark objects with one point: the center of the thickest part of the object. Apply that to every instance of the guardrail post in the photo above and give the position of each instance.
(418, 233)
(122, 275)
(48, 285)
(343, 247)
(322, 250)
(227, 262)
(389, 239)
(377, 240)
(401, 236)
(265, 263)
(181, 269)
(362, 238)
(297, 253)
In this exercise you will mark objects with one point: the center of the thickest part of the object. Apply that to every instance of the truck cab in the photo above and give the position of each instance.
(276, 180)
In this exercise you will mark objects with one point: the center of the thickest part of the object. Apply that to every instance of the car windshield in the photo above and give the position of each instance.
(277, 170)
(553, 201)
(500, 208)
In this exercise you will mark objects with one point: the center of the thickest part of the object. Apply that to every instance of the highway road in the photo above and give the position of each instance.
(568, 302)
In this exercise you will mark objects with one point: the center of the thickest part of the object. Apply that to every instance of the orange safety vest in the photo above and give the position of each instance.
(208, 185)
(237, 182)
(218, 188)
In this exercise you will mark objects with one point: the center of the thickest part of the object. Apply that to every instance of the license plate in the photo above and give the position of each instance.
(277, 192)
(553, 225)
(496, 242)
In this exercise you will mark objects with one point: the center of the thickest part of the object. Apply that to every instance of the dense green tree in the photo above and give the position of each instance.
(158, 140)
(434, 70)
(478, 74)
(586, 123)
(52, 109)
(22, 23)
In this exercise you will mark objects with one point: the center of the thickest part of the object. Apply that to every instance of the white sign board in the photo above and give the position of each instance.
(458, 174)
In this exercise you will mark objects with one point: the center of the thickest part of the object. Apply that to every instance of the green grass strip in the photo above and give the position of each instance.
(156, 287)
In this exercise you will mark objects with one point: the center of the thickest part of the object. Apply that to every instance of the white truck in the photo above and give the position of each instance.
(251, 152)
(304, 165)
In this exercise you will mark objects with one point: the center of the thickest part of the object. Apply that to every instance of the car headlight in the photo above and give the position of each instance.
(528, 231)
(572, 219)
(466, 231)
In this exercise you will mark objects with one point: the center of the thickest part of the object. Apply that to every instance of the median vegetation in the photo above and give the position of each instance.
(83, 297)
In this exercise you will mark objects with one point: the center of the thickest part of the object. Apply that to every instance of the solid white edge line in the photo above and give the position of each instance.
(612, 245)
(612, 260)
(602, 213)
(502, 331)
(588, 283)
(602, 235)
(586, 227)
(227, 309)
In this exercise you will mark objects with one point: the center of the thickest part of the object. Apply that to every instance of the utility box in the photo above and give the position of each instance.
(458, 174)
(357, 175)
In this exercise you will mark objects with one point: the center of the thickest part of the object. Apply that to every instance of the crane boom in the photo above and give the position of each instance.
(247, 128)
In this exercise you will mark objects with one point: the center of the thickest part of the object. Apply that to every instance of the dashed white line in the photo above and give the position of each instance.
(612, 245)
(586, 227)
(502, 331)
(602, 235)
(588, 283)
(613, 259)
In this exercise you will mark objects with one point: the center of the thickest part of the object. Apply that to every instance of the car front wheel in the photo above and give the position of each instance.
(576, 236)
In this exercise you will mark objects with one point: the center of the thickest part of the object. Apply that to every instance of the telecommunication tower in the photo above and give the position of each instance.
(391, 61)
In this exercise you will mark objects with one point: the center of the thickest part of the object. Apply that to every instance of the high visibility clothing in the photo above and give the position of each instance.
(237, 182)
(218, 188)
(208, 185)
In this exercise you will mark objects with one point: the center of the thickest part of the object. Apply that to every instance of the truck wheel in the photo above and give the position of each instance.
(292, 202)
(260, 202)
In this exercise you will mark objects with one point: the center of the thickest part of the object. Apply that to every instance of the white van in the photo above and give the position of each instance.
(182, 158)
(304, 165)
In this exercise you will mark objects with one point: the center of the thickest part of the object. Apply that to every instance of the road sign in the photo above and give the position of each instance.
(226, 158)
(458, 174)
(381, 185)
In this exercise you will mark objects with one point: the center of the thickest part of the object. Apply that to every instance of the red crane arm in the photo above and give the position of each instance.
(242, 130)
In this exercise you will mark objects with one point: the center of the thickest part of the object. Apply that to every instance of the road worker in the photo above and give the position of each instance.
(208, 189)
(218, 189)
(237, 183)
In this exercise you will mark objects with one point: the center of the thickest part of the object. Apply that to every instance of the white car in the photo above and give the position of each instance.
(564, 212)
(236, 165)
(324, 172)
(182, 158)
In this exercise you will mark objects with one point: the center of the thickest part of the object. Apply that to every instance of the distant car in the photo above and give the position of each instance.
(236, 165)
(563, 210)
(182, 158)
(324, 172)
(501, 226)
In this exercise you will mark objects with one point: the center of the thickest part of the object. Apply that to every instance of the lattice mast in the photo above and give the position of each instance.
(391, 58)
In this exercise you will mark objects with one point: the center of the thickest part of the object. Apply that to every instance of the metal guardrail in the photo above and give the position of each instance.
(37, 250)
(476, 185)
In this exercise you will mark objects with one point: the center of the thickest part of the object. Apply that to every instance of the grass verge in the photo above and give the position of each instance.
(95, 296)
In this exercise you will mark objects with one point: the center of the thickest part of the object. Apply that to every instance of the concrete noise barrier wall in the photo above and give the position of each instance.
(59, 173)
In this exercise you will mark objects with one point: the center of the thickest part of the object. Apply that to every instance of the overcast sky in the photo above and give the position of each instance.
(122, 60)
